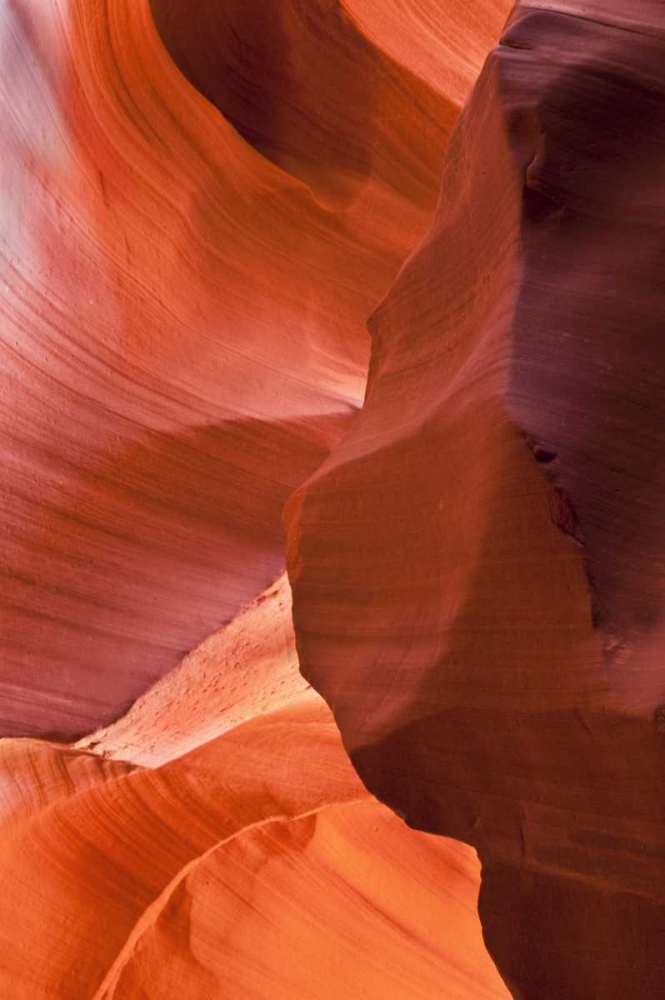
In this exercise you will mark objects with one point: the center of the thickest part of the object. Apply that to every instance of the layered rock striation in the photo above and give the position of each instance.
(201, 206)
(477, 567)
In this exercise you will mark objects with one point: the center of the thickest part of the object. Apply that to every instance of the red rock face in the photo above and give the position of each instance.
(184, 336)
(199, 210)
(201, 204)
(477, 567)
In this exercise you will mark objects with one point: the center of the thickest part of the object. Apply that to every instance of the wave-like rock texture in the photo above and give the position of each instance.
(185, 295)
(200, 204)
(478, 566)
(257, 866)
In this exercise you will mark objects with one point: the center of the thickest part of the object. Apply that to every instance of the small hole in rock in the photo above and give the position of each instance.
(542, 455)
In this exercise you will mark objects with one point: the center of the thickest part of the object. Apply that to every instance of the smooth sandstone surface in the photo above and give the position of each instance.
(199, 209)
(131, 882)
(200, 206)
(477, 568)
(183, 335)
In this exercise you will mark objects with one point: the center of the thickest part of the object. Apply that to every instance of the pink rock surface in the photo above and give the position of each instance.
(200, 206)
(199, 210)
(477, 567)
(183, 336)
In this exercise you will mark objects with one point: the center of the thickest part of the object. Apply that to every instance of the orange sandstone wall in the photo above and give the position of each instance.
(184, 305)
(199, 211)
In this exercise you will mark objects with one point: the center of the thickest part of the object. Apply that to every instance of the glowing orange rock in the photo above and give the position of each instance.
(186, 275)
(183, 338)
(256, 866)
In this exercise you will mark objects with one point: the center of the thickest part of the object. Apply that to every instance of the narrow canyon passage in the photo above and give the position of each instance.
(332, 400)
(187, 273)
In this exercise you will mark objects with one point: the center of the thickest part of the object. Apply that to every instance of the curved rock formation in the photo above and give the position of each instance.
(129, 882)
(183, 338)
(201, 205)
(477, 568)
(199, 210)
